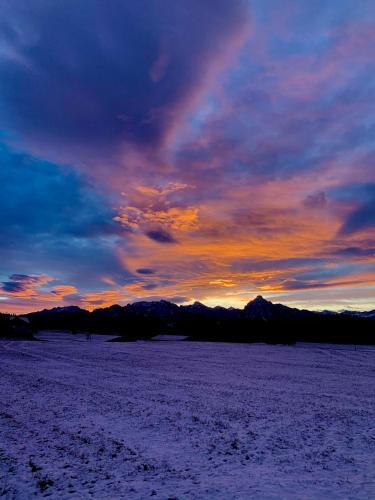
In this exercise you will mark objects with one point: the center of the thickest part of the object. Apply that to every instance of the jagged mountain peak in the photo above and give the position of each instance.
(198, 304)
(261, 308)
(260, 300)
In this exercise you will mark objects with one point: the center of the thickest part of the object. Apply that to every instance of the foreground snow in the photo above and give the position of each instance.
(185, 420)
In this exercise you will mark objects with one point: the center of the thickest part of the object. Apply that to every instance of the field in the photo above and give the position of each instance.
(185, 420)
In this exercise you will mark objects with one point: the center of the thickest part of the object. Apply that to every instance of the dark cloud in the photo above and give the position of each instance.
(161, 236)
(315, 200)
(21, 282)
(24, 278)
(43, 198)
(355, 252)
(150, 286)
(13, 286)
(303, 285)
(124, 70)
(145, 270)
(327, 273)
(363, 217)
(56, 222)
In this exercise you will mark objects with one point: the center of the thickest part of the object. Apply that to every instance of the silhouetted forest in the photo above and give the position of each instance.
(12, 326)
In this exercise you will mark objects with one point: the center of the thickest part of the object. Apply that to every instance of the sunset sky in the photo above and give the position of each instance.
(207, 150)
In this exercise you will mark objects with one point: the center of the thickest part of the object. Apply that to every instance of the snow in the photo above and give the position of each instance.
(81, 419)
(170, 337)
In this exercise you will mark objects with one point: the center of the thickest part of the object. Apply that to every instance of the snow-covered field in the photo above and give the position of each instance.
(185, 420)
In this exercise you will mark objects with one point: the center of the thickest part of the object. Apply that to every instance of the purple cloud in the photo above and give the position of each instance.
(104, 74)
(160, 236)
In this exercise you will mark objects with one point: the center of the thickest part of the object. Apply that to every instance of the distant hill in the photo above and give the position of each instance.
(259, 321)
(361, 314)
(61, 318)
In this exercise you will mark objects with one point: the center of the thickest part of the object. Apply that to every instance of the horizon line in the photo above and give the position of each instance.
(189, 303)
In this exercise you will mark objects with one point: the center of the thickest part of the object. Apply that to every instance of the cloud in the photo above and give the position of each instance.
(160, 236)
(355, 252)
(177, 218)
(303, 285)
(126, 72)
(24, 285)
(57, 223)
(150, 286)
(361, 219)
(41, 197)
(12, 286)
(179, 299)
(277, 264)
(315, 200)
(145, 271)
(27, 280)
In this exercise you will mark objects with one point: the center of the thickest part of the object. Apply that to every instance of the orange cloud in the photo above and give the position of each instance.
(175, 218)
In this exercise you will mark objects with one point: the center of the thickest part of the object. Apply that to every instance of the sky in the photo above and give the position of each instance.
(208, 150)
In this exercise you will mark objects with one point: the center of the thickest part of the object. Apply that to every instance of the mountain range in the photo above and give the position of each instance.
(259, 320)
(258, 308)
